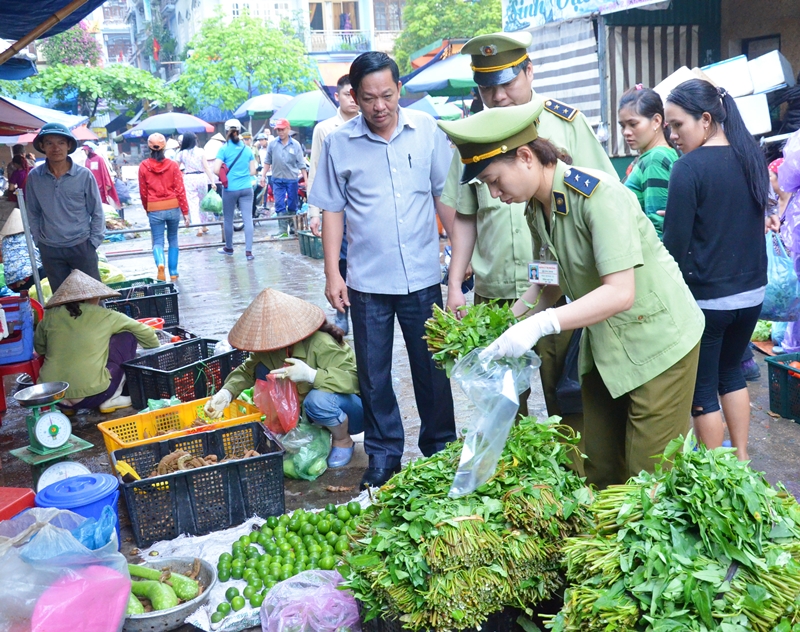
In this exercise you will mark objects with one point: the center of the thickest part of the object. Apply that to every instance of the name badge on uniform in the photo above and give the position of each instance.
(543, 272)
(291, 150)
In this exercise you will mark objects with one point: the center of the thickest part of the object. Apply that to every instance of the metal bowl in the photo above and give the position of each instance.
(163, 620)
(41, 394)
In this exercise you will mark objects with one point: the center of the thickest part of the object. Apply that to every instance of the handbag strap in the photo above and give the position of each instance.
(237, 157)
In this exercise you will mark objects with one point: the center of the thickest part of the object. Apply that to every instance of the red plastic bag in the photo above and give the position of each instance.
(277, 399)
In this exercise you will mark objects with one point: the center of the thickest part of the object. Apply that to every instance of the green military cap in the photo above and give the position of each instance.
(484, 136)
(498, 57)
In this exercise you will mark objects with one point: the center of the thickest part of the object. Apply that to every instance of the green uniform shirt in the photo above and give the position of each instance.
(649, 180)
(76, 349)
(606, 233)
(502, 248)
(335, 365)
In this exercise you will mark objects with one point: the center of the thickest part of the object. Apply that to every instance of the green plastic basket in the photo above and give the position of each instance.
(784, 387)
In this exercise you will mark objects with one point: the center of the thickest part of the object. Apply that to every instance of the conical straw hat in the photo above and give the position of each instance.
(79, 286)
(275, 320)
(13, 225)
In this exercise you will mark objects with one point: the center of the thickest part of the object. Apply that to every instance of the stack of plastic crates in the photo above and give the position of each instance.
(157, 300)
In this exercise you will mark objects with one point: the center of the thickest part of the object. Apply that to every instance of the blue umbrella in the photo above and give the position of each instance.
(262, 105)
(168, 123)
(306, 109)
(437, 107)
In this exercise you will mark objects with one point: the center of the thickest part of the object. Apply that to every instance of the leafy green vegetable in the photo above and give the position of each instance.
(703, 544)
(762, 332)
(450, 338)
(438, 563)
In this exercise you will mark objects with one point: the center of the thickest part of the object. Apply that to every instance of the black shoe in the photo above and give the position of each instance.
(377, 476)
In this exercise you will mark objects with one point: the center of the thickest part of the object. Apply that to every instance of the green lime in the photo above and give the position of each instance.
(248, 573)
(263, 572)
(331, 537)
(255, 582)
(253, 536)
(284, 519)
(236, 572)
(272, 522)
(231, 593)
(279, 531)
(337, 526)
(313, 519)
(341, 546)
(252, 551)
(248, 591)
(263, 538)
(217, 617)
(237, 603)
(285, 575)
(342, 514)
(327, 563)
(293, 526)
(323, 527)
(268, 585)
(224, 607)
(225, 575)
(307, 529)
(270, 548)
(330, 508)
(251, 562)
(354, 508)
(226, 557)
(256, 600)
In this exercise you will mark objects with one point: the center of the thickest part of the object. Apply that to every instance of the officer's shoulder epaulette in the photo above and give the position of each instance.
(561, 110)
(580, 181)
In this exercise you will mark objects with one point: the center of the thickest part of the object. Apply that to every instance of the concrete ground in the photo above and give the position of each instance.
(215, 290)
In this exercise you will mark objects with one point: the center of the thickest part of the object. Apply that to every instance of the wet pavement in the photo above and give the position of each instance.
(215, 290)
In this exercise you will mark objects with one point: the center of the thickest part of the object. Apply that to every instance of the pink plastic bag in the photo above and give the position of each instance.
(310, 602)
(277, 399)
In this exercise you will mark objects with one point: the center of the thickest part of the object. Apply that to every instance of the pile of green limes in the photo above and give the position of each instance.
(290, 544)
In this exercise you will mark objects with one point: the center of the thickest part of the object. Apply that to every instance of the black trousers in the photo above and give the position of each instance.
(59, 262)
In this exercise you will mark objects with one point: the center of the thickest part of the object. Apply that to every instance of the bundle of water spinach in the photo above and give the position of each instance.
(706, 545)
(438, 563)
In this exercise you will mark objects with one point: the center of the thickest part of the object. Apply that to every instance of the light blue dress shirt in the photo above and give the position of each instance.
(387, 189)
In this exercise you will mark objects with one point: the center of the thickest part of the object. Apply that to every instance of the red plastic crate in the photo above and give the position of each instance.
(14, 500)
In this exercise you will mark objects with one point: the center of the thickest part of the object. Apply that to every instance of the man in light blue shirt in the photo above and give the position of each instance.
(387, 168)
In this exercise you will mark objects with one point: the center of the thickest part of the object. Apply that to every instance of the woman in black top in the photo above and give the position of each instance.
(714, 228)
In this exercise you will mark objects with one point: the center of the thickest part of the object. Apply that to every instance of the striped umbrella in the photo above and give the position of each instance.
(306, 109)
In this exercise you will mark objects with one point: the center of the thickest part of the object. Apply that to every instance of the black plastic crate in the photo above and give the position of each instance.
(188, 370)
(205, 499)
(166, 335)
(149, 301)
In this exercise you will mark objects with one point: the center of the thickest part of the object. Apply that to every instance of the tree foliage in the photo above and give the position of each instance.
(167, 42)
(74, 47)
(117, 84)
(229, 63)
(429, 20)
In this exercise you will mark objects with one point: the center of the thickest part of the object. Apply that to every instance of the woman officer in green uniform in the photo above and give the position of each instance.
(642, 326)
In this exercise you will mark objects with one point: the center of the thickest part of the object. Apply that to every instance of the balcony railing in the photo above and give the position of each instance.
(331, 41)
(384, 40)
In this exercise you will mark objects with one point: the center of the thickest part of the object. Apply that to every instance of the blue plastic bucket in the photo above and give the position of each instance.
(85, 495)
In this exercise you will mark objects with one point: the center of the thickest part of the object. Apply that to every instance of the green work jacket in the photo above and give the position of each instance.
(76, 349)
(503, 248)
(597, 228)
(335, 365)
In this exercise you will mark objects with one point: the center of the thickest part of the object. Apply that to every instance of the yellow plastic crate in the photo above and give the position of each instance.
(171, 422)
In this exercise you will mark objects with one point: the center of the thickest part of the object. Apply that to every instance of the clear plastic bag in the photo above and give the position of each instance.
(310, 602)
(277, 399)
(52, 582)
(493, 387)
(307, 448)
(782, 299)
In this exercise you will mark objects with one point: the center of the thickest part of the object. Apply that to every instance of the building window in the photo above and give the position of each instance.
(389, 15)
(235, 9)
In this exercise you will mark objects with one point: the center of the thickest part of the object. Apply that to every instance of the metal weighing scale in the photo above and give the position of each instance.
(50, 434)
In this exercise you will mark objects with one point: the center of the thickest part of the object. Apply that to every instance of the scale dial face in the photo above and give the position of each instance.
(52, 430)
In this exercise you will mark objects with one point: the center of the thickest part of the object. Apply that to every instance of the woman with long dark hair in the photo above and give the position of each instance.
(641, 119)
(164, 198)
(197, 175)
(714, 228)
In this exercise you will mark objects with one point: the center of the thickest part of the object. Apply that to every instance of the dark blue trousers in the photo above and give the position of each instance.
(284, 191)
(373, 334)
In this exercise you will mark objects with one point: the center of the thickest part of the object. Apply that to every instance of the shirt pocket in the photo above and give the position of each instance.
(647, 330)
(486, 203)
(419, 170)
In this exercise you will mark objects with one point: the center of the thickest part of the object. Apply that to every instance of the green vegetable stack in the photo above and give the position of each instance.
(762, 332)
(450, 338)
(707, 545)
(440, 563)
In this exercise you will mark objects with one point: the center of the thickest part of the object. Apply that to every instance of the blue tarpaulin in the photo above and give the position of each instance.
(17, 68)
(20, 17)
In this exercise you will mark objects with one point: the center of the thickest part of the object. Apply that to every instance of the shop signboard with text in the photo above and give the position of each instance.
(528, 14)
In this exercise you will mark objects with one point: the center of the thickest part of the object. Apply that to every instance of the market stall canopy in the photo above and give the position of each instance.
(263, 105)
(19, 17)
(14, 120)
(81, 133)
(450, 77)
(17, 68)
(306, 109)
(49, 115)
(214, 114)
(438, 108)
(168, 123)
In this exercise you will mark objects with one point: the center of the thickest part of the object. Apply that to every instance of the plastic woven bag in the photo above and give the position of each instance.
(494, 387)
(310, 602)
(307, 448)
(212, 203)
(277, 399)
(782, 300)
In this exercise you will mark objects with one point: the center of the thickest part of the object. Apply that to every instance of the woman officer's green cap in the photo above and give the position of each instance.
(497, 57)
(486, 135)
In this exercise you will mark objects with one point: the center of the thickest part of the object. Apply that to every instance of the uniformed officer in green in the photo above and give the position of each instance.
(642, 327)
(493, 234)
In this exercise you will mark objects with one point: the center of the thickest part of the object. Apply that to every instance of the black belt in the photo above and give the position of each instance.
(192, 173)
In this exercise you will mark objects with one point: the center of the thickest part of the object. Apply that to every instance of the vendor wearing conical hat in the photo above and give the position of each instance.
(16, 258)
(591, 242)
(492, 235)
(290, 338)
(85, 344)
